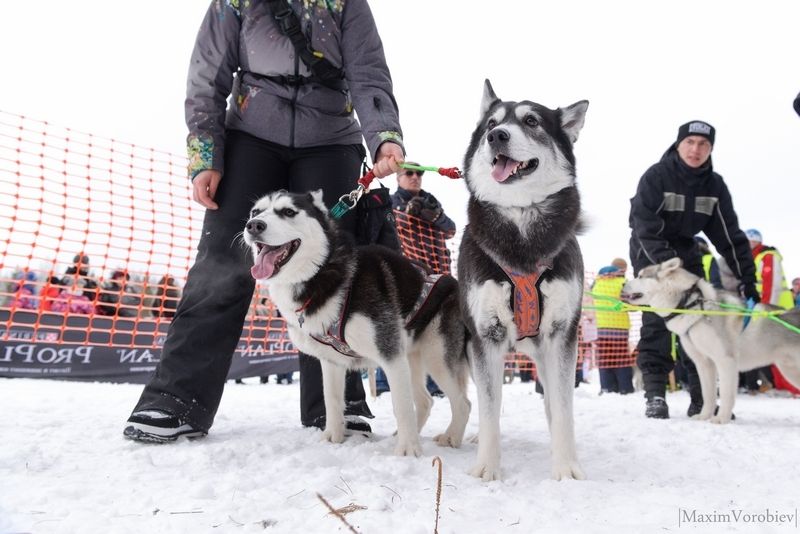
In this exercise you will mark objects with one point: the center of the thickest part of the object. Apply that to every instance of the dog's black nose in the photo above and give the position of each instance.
(255, 226)
(498, 135)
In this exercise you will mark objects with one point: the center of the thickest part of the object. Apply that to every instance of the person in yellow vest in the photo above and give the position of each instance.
(710, 266)
(771, 284)
(613, 328)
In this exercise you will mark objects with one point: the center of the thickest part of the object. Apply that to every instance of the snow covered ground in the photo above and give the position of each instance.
(64, 467)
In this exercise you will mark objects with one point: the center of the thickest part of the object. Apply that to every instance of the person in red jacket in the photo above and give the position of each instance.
(771, 283)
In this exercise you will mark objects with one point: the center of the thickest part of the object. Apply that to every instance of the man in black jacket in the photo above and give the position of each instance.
(677, 198)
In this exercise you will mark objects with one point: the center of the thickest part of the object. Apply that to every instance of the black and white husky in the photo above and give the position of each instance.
(520, 269)
(356, 308)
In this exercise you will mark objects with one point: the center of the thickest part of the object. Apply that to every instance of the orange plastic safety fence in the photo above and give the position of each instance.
(99, 228)
(423, 242)
(104, 230)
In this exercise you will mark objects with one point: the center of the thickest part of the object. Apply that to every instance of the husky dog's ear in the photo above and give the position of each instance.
(670, 265)
(316, 199)
(489, 97)
(572, 119)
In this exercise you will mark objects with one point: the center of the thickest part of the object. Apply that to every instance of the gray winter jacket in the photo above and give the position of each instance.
(243, 38)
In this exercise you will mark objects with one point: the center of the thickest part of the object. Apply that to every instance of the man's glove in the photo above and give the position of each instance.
(414, 206)
(749, 291)
(430, 215)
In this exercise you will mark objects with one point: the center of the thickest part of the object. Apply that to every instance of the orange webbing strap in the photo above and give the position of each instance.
(124, 212)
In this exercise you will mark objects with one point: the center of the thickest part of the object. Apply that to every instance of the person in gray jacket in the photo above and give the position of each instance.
(284, 126)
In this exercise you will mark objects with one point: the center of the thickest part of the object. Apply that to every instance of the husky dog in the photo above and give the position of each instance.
(361, 308)
(719, 345)
(520, 269)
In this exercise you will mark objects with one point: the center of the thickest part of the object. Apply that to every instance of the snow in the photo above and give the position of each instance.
(65, 467)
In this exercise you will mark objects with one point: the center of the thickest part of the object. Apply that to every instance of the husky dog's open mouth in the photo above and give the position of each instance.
(270, 258)
(630, 297)
(504, 168)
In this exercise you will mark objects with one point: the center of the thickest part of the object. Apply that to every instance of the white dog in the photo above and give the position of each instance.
(719, 345)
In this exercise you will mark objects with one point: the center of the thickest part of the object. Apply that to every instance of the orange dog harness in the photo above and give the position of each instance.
(526, 300)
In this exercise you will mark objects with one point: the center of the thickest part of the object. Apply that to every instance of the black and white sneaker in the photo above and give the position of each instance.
(352, 424)
(156, 426)
(657, 408)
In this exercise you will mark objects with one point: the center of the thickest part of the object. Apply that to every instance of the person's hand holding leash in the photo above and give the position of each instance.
(387, 160)
(204, 188)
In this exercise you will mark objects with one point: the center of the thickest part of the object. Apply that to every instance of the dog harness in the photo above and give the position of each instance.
(684, 303)
(334, 337)
(526, 299)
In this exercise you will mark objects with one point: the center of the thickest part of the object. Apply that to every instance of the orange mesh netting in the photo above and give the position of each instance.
(99, 229)
(97, 236)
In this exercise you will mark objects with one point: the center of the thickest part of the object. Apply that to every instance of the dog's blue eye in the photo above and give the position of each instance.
(530, 120)
(254, 213)
(491, 124)
(288, 212)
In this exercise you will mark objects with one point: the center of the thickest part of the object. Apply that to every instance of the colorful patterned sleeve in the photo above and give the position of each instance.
(214, 61)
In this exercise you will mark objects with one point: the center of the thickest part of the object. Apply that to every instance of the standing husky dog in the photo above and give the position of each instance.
(520, 268)
(718, 345)
(360, 308)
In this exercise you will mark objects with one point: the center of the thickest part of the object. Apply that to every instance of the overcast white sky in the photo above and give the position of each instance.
(118, 69)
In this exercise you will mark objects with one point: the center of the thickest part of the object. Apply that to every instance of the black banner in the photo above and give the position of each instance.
(116, 349)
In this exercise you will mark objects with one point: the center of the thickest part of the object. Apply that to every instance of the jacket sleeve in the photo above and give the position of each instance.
(368, 77)
(443, 223)
(646, 223)
(214, 60)
(729, 240)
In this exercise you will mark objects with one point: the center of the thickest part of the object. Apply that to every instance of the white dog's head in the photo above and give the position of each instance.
(659, 286)
(289, 236)
(521, 152)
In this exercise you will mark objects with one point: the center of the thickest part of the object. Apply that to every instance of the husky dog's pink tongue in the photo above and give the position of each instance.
(267, 261)
(503, 168)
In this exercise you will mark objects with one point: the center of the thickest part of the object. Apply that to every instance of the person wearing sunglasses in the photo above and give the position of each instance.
(410, 198)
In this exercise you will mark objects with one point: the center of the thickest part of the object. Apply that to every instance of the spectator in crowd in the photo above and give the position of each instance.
(771, 284)
(427, 247)
(613, 353)
(289, 124)
(770, 280)
(119, 296)
(25, 294)
(166, 299)
(710, 266)
(427, 226)
(796, 292)
(676, 199)
(79, 280)
(51, 292)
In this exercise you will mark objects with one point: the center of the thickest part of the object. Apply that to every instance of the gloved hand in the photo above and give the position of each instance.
(414, 206)
(749, 291)
(430, 215)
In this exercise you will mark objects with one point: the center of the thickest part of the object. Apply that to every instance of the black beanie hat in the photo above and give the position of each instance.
(703, 129)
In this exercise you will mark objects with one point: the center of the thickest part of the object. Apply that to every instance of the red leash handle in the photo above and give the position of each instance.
(450, 172)
(365, 180)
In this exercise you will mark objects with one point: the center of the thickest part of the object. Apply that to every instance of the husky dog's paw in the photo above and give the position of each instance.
(720, 420)
(333, 434)
(446, 440)
(486, 471)
(493, 331)
(704, 414)
(408, 448)
(567, 470)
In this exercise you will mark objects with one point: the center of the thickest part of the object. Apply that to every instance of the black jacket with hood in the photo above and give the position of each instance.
(675, 202)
